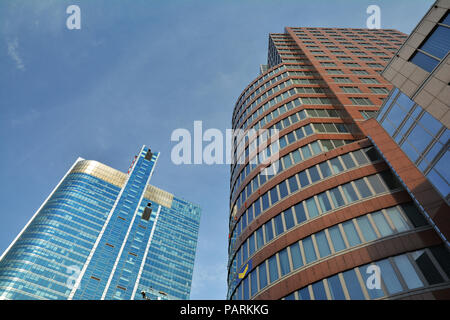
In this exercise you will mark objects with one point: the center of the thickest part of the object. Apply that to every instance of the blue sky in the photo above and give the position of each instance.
(136, 71)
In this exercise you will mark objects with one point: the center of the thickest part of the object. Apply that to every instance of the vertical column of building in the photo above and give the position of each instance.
(96, 275)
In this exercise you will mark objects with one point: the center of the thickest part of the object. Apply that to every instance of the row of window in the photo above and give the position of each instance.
(240, 153)
(304, 178)
(330, 241)
(317, 205)
(301, 154)
(276, 89)
(255, 84)
(293, 158)
(398, 274)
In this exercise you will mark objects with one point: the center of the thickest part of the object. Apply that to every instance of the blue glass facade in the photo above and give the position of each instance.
(103, 234)
(423, 138)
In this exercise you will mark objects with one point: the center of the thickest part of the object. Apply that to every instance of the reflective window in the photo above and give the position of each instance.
(336, 197)
(304, 181)
(262, 275)
(303, 294)
(273, 268)
(278, 225)
(269, 230)
(336, 165)
(397, 219)
(325, 169)
(324, 202)
(300, 212)
(351, 233)
(260, 238)
(349, 192)
(314, 174)
(353, 286)
(361, 185)
(284, 262)
(322, 244)
(382, 224)
(348, 161)
(407, 271)
(274, 195)
(308, 247)
(336, 238)
(319, 291)
(293, 186)
(376, 184)
(254, 282)
(289, 218)
(297, 261)
(334, 283)
(366, 228)
(389, 277)
(312, 208)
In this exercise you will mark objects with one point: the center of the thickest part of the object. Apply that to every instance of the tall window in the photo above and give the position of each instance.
(435, 47)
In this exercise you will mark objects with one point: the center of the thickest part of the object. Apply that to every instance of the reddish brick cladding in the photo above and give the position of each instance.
(338, 263)
(421, 188)
(352, 114)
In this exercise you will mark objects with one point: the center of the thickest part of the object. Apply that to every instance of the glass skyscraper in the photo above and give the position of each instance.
(104, 234)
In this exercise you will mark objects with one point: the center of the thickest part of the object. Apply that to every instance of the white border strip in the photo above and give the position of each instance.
(128, 232)
(141, 268)
(100, 235)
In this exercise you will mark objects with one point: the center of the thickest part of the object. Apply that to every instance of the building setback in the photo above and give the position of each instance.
(335, 208)
(104, 234)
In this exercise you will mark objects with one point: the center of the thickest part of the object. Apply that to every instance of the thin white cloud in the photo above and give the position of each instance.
(12, 52)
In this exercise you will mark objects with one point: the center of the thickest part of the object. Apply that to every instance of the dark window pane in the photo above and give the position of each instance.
(438, 43)
(273, 268)
(336, 197)
(353, 286)
(303, 294)
(427, 63)
(349, 193)
(278, 225)
(269, 230)
(319, 291)
(324, 202)
(300, 212)
(259, 238)
(314, 174)
(284, 262)
(390, 180)
(364, 191)
(293, 186)
(304, 181)
(274, 195)
(254, 282)
(442, 255)
(289, 218)
(325, 169)
(425, 265)
(335, 288)
(265, 201)
(283, 189)
(414, 215)
(376, 184)
(360, 157)
(262, 276)
(348, 161)
(372, 154)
